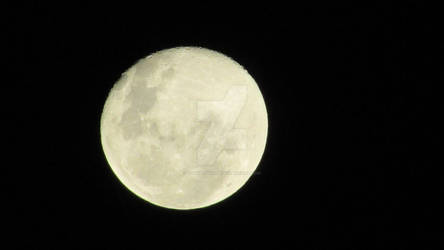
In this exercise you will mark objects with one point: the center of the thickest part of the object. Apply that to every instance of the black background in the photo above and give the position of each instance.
(353, 158)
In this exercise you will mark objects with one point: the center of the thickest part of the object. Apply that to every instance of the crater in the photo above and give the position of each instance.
(168, 74)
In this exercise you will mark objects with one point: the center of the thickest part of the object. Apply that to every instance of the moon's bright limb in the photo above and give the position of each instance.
(184, 128)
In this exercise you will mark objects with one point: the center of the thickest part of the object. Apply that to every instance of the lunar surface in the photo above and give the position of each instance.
(184, 128)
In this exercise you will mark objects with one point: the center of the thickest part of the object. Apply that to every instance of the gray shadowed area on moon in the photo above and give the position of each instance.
(151, 131)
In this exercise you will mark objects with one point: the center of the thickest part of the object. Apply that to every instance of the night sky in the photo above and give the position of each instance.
(355, 125)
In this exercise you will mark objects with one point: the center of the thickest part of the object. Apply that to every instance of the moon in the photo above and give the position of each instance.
(184, 128)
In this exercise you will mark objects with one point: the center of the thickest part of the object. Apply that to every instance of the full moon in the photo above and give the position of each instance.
(184, 128)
